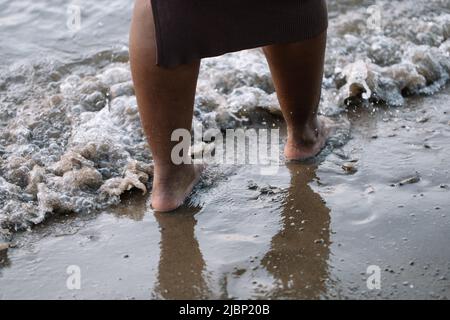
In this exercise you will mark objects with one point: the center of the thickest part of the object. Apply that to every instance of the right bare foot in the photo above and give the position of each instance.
(309, 141)
(172, 186)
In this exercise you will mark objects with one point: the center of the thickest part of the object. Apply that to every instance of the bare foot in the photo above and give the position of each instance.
(172, 187)
(308, 142)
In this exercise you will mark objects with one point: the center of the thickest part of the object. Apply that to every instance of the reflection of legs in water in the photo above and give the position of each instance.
(181, 264)
(166, 100)
(299, 252)
(297, 70)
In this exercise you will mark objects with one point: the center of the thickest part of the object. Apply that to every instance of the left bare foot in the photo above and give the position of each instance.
(172, 187)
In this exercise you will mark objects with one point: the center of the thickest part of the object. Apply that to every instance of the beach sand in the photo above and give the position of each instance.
(311, 231)
(75, 164)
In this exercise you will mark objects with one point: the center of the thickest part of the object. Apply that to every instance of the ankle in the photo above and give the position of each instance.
(168, 173)
(304, 134)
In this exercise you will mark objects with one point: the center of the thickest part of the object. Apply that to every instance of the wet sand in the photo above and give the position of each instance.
(309, 232)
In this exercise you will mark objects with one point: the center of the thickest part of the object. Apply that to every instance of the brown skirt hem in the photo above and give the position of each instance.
(189, 30)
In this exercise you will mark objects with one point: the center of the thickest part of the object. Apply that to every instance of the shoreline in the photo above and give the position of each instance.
(310, 232)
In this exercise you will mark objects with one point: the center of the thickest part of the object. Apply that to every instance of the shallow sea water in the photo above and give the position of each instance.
(71, 148)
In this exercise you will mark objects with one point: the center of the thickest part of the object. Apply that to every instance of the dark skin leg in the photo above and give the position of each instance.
(166, 97)
(297, 71)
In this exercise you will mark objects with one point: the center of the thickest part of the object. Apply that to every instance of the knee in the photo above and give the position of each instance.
(143, 8)
(142, 3)
(143, 15)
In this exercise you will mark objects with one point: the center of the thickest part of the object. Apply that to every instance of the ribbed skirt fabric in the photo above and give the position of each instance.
(187, 30)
